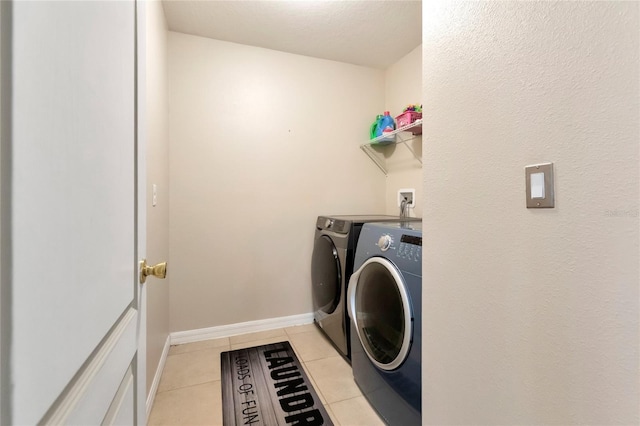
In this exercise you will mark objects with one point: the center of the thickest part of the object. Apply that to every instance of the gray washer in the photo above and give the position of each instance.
(331, 267)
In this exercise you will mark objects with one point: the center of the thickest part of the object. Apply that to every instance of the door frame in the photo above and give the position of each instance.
(5, 207)
(141, 208)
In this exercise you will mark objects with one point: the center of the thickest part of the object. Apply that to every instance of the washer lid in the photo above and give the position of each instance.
(343, 223)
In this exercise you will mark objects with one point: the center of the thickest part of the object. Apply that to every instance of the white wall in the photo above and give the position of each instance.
(531, 315)
(261, 143)
(403, 86)
(157, 108)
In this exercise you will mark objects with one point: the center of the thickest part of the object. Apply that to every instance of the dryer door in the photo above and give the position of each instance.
(380, 307)
(325, 276)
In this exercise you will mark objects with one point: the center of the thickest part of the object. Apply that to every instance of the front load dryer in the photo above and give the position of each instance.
(331, 266)
(385, 307)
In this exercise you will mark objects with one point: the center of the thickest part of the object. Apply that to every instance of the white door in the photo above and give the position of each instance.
(75, 298)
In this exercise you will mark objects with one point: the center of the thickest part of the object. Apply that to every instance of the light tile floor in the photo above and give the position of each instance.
(190, 391)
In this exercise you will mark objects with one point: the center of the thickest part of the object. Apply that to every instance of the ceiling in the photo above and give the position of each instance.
(371, 33)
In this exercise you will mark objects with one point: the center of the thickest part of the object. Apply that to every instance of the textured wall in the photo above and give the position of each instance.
(403, 86)
(261, 142)
(157, 108)
(531, 315)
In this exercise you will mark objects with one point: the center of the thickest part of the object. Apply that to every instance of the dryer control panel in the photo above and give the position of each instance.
(410, 247)
(332, 224)
(404, 250)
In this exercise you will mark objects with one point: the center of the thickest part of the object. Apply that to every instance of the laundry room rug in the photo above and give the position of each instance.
(266, 386)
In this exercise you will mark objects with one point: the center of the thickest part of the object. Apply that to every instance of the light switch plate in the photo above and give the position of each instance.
(154, 195)
(548, 200)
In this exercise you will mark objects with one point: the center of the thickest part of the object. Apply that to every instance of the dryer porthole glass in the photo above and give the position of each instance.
(380, 313)
(325, 276)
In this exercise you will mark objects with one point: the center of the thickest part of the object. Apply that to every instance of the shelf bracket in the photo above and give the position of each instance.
(384, 141)
(369, 151)
(405, 143)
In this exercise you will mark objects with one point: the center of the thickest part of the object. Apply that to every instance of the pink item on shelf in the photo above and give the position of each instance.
(407, 118)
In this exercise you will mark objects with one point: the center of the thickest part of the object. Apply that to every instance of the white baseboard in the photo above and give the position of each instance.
(197, 335)
(156, 378)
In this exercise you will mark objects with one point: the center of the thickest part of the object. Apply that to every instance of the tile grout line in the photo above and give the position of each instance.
(346, 399)
(188, 386)
(196, 350)
(315, 384)
(308, 371)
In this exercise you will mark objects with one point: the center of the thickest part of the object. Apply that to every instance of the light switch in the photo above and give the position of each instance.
(539, 183)
(154, 195)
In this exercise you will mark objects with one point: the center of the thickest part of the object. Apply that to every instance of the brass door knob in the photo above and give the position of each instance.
(158, 271)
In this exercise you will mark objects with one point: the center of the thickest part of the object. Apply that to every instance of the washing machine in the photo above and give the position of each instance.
(331, 267)
(385, 304)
